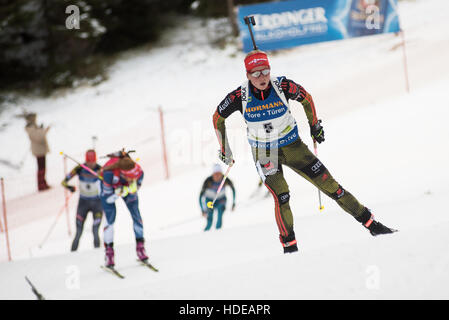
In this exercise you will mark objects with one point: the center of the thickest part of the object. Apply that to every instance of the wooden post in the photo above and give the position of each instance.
(407, 83)
(1, 225)
(66, 199)
(5, 219)
(164, 147)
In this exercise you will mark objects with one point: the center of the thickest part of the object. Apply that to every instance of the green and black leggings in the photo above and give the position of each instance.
(301, 160)
(86, 205)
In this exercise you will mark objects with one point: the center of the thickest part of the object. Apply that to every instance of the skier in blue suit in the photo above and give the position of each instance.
(208, 193)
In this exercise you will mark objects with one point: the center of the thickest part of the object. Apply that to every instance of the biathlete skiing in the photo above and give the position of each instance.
(89, 200)
(272, 132)
(121, 178)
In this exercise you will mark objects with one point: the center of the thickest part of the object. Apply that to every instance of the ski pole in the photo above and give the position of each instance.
(54, 223)
(249, 20)
(82, 165)
(210, 204)
(319, 192)
(38, 295)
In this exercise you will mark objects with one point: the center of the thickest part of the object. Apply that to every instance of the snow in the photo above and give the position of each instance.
(384, 145)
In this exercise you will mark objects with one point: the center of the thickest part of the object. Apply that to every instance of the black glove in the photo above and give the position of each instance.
(317, 132)
(69, 187)
(227, 159)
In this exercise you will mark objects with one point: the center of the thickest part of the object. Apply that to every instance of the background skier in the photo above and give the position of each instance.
(208, 193)
(89, 200)
(274, 139)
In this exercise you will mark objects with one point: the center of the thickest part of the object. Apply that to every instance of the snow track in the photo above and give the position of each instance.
(385, 146)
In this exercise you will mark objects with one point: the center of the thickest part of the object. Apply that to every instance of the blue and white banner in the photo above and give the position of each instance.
(285, 24)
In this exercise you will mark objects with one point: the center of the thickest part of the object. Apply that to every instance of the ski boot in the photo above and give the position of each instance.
(140, 250)
(289, 243)
(375, 228)
(109, 255)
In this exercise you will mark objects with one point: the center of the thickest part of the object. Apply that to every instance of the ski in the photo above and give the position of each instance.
(380, 234)
(147, 264)
(113, 271)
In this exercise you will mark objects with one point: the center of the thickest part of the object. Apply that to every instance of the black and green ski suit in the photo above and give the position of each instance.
(293, 154)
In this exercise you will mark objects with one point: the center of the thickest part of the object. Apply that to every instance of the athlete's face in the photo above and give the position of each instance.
(217, 176)
(91, 164)
(259, 80)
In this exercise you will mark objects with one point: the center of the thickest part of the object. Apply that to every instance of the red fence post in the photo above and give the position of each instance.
(66, 199)
(1, 225)
(407, 84)
(5, 219)
(164, 147)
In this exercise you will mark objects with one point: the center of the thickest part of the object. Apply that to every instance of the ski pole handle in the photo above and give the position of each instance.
(210, 204)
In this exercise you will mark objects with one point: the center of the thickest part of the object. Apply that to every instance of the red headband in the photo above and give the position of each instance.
(256, 60)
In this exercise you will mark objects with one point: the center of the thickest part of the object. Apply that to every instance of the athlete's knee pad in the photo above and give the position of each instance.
(283, 198)
(314, 169)
(339, 193)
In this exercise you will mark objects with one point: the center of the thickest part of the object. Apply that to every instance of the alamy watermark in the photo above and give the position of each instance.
(73, 279)
(373, 17)
(372, 281)
(73, 20)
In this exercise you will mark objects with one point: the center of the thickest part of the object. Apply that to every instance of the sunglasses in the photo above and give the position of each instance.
(256, 74)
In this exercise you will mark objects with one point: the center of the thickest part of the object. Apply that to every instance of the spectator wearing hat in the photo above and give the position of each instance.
(39, 147)
(208, 193)
(89, 200)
